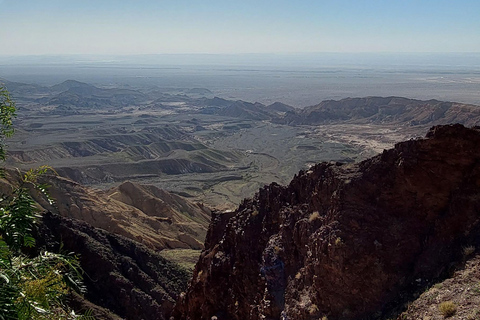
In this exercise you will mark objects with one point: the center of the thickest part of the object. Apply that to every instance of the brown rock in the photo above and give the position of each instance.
(343, 241)
(121, 275)
(381, 110)
(146, 214)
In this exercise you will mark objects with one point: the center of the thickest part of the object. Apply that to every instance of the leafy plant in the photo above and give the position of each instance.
(7, 113)
(31, 287)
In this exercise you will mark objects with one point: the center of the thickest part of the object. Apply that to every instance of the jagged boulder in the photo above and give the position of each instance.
(343, 241)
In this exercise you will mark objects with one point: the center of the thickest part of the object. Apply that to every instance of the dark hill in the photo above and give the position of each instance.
(344, 241)
(20, 89)
(73, 85)
(216, 102)
(280, 107)
(83, 95)
(199, 91)
(369, 110)
(246, 110)
(379, 110)
(241, 109)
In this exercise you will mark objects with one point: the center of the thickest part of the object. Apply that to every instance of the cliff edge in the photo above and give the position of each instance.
(343, 241)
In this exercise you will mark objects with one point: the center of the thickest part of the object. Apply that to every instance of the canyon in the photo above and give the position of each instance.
(147, 180)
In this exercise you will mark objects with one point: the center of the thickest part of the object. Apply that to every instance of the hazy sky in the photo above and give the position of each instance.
(241, 26)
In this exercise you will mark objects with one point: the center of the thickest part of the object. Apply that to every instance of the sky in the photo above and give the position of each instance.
(46, 27)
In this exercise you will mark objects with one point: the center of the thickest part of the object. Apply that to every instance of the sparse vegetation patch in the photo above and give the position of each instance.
(467, 251)
(314, 216)
(447, 309)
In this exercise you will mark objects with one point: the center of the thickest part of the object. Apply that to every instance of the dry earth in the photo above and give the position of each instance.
(462, 289)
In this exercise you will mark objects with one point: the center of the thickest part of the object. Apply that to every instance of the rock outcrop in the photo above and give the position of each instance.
(343, 241)
(121, 275)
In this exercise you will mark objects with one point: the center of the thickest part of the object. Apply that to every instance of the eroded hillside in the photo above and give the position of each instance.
(211, 150)
(132, 242)
(145, 214)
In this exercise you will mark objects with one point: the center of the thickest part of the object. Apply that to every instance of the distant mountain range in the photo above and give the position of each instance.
(380, 110)
(71, 97)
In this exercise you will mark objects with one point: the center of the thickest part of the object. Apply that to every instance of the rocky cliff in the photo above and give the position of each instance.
(343, 241)
(122, 276)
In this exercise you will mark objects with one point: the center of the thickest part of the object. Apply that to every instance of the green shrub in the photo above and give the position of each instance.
(31, 287)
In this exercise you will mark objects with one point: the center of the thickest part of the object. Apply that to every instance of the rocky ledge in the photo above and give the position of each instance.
(344, 241)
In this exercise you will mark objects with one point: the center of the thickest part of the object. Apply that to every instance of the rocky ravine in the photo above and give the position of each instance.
(123, 277)
(343, 241)
(118, 236)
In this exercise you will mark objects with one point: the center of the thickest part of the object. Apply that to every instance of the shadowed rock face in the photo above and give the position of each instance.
(346, 241)
(117, 235)
(121, 275)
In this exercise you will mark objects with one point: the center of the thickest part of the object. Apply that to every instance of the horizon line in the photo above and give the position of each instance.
(240, 53)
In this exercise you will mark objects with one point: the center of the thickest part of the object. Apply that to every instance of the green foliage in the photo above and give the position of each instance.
(7, 113)
(17, 220)
(31, 287)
